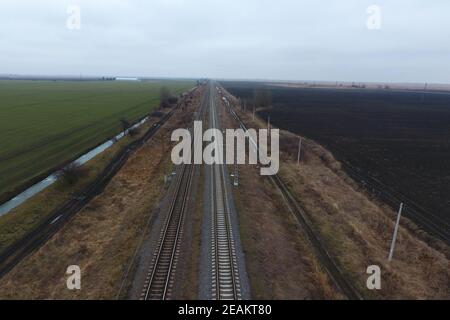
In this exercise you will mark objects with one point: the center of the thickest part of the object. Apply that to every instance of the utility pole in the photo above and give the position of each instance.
(254, 109)
(299, 150)
(268, 124)
(394, 238)
(423, 94)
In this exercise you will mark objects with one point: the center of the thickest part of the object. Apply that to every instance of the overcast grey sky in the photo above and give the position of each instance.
(250, 39)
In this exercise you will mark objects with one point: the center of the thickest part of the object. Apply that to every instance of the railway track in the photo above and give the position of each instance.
(326, 260)
(161, 275)
(160, 278)
(226, 283)
(225, 273)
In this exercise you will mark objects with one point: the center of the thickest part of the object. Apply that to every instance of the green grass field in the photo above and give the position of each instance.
(46, 123)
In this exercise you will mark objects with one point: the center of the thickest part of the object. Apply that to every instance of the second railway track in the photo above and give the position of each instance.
(226, 283)
(225, 273)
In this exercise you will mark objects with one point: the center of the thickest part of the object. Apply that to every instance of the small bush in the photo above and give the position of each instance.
(128, 128)
(133, 132)
(72, 173)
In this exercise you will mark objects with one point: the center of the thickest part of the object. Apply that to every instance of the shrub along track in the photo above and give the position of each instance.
(314, 238)
(13, 254)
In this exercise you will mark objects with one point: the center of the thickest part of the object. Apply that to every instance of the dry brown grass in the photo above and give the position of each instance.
(279, 263)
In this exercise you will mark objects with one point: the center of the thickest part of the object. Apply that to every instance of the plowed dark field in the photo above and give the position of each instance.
(398, 140)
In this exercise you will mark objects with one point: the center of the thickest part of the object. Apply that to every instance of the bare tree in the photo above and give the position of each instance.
(133, 131)
(72, 173)
(128, 128)
(165, 96)
(125, 124)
